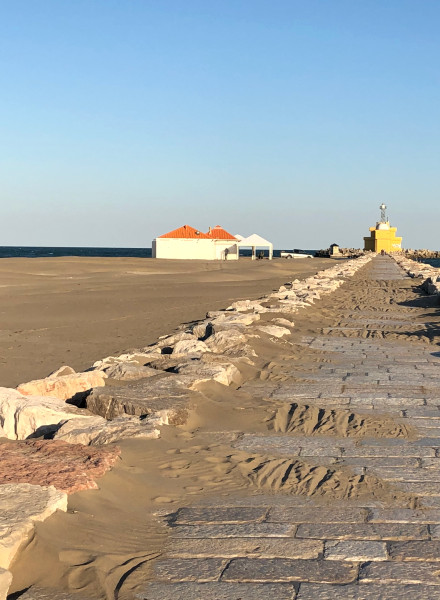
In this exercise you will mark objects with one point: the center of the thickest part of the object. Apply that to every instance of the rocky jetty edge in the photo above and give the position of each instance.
(429, 274)
(58, 434)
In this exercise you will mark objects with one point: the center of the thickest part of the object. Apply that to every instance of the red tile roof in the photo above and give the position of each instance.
(218, 233)
(186, 232)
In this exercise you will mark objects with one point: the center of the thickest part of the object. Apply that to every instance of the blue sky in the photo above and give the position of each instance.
(121, 120)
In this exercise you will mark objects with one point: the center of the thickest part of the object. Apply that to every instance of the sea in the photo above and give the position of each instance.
(434, 262)
(45, 252)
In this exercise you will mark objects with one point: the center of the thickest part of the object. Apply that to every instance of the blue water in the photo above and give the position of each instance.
(44, 252)
(434, 262)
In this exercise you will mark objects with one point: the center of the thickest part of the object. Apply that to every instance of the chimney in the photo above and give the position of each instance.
(210, 230)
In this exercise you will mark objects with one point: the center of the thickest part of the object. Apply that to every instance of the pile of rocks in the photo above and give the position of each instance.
(430, 275)
(77, 414)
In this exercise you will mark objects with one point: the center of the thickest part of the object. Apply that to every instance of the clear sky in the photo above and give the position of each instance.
(123, 119)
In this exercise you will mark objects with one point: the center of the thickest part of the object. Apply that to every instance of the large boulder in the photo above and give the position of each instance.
(98, 431)
(193, 346)
(200, 371)
(231, 342)
(68, 467)
(234, 318)
(63, 386)
(5, 582)
(164, 396)
(140, 358)
(21, 505)
(128, 371)
(22, 416)
(274, 330)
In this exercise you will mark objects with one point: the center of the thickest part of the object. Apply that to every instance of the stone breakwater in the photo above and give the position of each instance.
(75, 415)
(429, 274)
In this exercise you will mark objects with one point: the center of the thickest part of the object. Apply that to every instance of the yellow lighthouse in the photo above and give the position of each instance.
(383, 236)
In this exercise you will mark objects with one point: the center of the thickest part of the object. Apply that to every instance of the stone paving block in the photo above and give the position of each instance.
(292, 445)
(421, 488)
(245, 547)
(38, 593)
(284, 570)
(363, 531)
(220, 514)
(286, 514)
(356, 551)
(435, 532)
(310, 591)
(404, 515)
(390, 451)
(415, 551)
(403, 572)
(195, 569)
(229, 531)
(383, 461)
(402, 474)
(217, 591)
(430, 501)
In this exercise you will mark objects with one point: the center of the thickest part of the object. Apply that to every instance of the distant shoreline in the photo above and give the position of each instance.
(98, 252)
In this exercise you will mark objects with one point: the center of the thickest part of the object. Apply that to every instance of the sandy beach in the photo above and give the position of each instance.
(74, 311)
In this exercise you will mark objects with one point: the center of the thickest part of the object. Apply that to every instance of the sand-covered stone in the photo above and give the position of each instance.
(223, 341)
(224, 372)
(192, 346)
(22, 416)
(98, 431)
(129, 371)
(164, 396)
(63, 386)
(274, 330)
(68, 467)
(38, 593)
(21, 505)
(5, 582)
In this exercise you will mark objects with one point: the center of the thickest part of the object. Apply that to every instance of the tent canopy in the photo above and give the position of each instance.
(255, 241)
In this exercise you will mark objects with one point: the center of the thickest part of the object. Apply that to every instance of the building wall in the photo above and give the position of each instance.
(383, 239)
(221, 246)
(191, 249)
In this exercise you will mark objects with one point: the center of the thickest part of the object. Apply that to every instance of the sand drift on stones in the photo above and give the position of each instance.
(314, 420)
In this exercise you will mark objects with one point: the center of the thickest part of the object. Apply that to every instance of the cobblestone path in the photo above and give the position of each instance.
(298, 547)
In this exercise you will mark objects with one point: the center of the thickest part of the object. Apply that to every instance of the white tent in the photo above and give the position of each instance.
(255, 241)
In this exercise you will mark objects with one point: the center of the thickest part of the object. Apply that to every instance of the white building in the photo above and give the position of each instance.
(191, 244)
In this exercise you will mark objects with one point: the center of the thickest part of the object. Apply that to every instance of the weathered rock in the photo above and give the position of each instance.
(21, 505)
(68, 467)
(98, 431)
(283, 322)
(222, 372)
(62, 386)
(37, 593)
(140, 358)
(172, 340)
(228, 318)
(202, 330)
(5, 582)
(128, 371)
(245, 305)
(22, 416)
(192, 346)
(226, 340)
(62, 371)
(164, 396)
(274, 330)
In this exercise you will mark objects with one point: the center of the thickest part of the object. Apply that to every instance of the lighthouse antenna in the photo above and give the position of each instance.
(383, 216)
